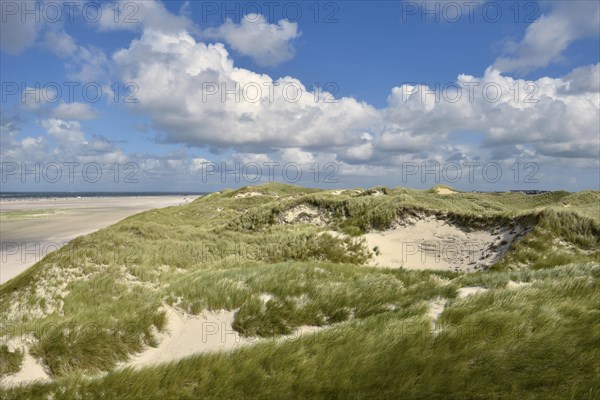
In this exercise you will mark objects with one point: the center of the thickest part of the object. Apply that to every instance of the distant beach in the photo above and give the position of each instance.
(35, 224)
(20, 196)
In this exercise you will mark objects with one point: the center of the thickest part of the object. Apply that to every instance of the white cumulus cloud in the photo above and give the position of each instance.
(254, 36)
(546, 39)
(184, 84)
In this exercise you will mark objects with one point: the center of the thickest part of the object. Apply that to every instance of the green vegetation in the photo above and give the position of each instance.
(102, 298)
(10, 361)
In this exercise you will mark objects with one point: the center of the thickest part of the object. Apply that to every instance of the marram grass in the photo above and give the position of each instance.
(99, 300)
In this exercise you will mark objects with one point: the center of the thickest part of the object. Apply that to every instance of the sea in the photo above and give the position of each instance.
(67, 195)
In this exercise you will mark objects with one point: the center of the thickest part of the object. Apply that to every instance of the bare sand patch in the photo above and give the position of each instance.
(428, 242)
(211, 331)
(248, 194)
(517, 285)
(31, 369)
(304, 214)
(470, 290)
(266, 297)
(436, 307)
(186, 335)
(192, 334)
(444, 191)
(304, 330)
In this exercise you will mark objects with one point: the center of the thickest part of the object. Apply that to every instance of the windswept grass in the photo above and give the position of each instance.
(10, 361)
(539, 342)
(304, 294)
(100, 299)
(558, 238)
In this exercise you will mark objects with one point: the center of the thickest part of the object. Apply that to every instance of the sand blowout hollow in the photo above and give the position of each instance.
(428, 242)
(423, 241)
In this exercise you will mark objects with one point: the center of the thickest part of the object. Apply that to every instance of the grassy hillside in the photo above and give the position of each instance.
(101, 299)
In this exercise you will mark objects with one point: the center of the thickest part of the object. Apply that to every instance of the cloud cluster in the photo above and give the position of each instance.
(63, 141)
(554, 116)
(546, 39)
(265, 43)
(197, 98)
(83, 63)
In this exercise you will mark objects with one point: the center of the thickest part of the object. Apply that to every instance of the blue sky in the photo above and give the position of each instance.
(391, 117)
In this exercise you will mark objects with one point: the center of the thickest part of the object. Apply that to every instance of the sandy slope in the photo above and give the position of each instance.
(190, 334)
(211, 331)
(432, 243)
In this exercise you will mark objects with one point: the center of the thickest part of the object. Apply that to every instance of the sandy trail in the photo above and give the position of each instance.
(25, 240)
